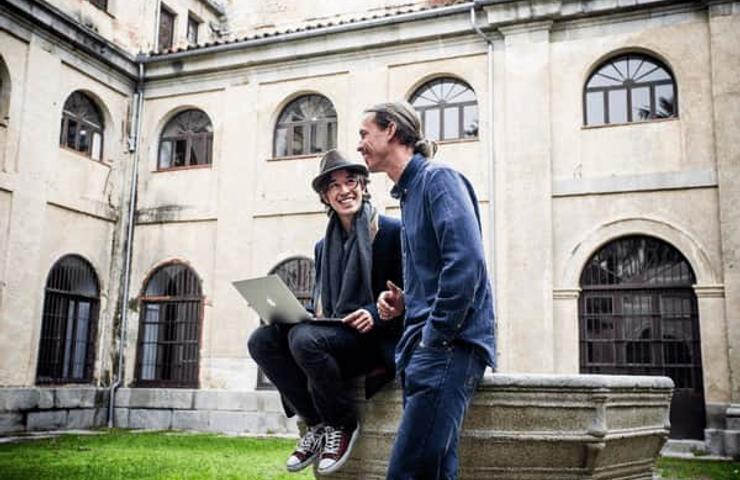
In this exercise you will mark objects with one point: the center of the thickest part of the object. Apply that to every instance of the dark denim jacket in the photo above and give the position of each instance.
(446, 288)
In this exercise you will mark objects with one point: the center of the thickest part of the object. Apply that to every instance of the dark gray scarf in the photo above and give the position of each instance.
(345, 279)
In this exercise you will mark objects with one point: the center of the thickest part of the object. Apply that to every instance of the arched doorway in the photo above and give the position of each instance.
(638, 315)
(298, 273)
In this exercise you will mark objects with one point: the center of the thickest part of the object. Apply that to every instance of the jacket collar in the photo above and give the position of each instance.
(409, 176)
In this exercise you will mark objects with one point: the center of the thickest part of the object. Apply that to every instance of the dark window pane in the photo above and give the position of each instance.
(317, 138)
(166, 29)
(84, 139)
(178, 159)
(331, 135)
(198, 155)
(595, 108)
(617, 106)
(297, 148)
(665, 101)
(72, 133)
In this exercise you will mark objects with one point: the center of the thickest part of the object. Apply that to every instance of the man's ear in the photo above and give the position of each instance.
(391, 130)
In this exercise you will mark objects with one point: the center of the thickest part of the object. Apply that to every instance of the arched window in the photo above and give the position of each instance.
(82, 126)
(448, 109)
(307, 125)
(69, 321)
(169, 329)
(299, 275)
(638, 316)
(630, 88)
(187, 140)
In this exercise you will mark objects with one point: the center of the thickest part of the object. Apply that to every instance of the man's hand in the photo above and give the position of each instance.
(390, 302)
(360, 319)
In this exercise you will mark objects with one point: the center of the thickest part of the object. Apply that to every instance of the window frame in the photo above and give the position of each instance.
(628, 86)
(193, 25)
(321, 125)
(166, 11)
(442, 105)
(191, 378)
(189, 138)
(69, 116)
(61, 325)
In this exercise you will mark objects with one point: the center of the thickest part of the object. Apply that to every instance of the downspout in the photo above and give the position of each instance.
(491, 155)
(134, 144)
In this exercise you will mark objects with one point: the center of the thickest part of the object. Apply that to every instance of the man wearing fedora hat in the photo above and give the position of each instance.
(311, 363)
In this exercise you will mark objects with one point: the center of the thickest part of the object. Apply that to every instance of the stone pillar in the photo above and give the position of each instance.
(524, 171)
(566, 336)
(724, 36)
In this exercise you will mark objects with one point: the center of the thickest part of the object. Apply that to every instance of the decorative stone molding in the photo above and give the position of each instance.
(566, 293)
(709, 291)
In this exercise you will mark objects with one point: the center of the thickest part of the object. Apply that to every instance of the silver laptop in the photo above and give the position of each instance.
(274, 302)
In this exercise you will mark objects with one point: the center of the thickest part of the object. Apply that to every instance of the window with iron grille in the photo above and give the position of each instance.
(69, 323)
(101, 4)
(307, 125)
(630, 88)
(299, 274)
(168, 350)
(638, 315)
(186, 141)
(448, 109)
(166, 31)
(82, 126)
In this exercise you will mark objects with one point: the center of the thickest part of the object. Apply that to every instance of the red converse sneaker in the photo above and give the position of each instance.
(307, 449)
(338, 443)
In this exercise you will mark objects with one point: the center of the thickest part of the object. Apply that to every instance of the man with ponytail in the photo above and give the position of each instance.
(311, 363)
(448, 338)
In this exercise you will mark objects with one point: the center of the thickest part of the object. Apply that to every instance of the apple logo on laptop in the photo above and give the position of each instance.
(271, 303)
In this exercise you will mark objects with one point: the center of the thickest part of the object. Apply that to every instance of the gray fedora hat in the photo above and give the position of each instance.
(332, 161)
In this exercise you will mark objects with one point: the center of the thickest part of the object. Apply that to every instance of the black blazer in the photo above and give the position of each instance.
(387, 265)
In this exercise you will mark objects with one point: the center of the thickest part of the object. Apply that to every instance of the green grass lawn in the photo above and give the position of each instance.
(133, 456)
(168, 455)
(672, 469)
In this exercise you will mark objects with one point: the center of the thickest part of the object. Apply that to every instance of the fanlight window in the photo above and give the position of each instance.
(67, 343)
(187, 140)
(306, 126)
(448, 109)
(169, 329)
(630, 88)
(82, 126)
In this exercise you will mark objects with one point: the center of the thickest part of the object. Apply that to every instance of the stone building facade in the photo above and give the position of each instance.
(600, 135)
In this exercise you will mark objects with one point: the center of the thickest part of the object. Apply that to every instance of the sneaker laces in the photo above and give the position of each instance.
(333, 440)
(311, 439)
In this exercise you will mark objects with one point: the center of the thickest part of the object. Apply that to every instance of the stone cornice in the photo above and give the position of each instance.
(709, 291)
(39, 15)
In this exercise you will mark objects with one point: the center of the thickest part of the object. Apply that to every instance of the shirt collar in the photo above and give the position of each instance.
(409, 175)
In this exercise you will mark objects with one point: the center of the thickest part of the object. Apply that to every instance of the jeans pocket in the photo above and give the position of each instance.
(426, 369)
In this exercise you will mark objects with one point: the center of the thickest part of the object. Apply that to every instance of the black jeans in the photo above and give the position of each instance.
(312, 365)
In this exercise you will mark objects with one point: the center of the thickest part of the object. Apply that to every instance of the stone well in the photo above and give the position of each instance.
(527, 427)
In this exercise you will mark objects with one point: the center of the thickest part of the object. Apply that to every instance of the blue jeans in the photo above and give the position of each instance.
(438, 385)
